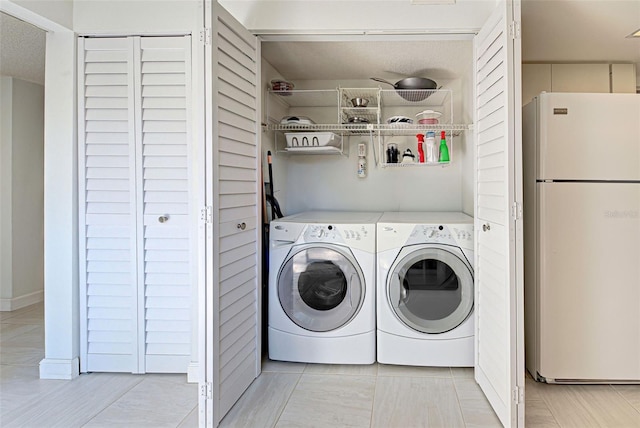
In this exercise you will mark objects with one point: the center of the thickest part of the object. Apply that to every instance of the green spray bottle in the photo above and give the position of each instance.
(444, 150)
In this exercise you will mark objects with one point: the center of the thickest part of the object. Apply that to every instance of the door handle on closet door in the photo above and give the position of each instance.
(486, 227)
(163, 218)
(242, 226)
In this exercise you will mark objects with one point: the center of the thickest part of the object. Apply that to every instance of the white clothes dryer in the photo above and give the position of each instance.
(425, 289)
(322, 288)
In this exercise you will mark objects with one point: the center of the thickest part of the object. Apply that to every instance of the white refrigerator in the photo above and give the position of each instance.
(581, 160)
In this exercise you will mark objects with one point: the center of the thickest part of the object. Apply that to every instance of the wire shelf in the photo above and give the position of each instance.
(307, 97)
(365, 128)
(333, 109)
(413, 164)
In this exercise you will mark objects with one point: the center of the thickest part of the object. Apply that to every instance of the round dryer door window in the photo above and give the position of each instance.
(320, 288)
(431, 290)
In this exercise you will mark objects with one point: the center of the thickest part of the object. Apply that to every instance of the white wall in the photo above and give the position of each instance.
(50, 15)
(60, 192)
(6, 113)
(61, 210)
(22, 194)
(137, 17)
(330, 15)
(467, 143)
(330, 182)
(279, 163)
(28, 189)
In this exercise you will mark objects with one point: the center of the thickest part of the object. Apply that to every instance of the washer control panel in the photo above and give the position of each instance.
(316, 232)
(360, 236)
(353, 235)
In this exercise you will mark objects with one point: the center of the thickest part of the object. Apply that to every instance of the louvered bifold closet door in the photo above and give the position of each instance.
(135, 268)
(107, 200)
(235, 195)
(499, 343)
(164, 202)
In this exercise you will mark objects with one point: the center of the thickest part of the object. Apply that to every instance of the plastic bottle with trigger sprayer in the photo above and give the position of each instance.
(432, 148)
(444, 150)
(420, 148)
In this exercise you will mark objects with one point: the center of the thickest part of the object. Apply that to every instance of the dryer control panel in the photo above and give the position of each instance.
(437, 234)
(398, 235)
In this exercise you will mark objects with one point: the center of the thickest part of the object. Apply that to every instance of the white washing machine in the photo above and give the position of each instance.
(322, 288)
(425, 289)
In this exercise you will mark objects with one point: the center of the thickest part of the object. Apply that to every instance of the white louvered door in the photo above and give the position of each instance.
(163, 202)
(233, 265)
(499, 368)
(108, 250)
(135, 234)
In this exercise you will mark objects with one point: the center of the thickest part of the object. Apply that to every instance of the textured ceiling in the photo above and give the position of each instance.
(21, 50)
(361, 60)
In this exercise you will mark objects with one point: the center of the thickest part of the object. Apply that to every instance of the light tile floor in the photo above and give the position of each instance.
(91, 400)
(285, 395)
(316, 395)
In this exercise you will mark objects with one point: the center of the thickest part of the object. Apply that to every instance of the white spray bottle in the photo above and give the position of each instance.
(362, 160)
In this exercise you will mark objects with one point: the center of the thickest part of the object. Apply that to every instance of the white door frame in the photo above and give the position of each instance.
(61, 317)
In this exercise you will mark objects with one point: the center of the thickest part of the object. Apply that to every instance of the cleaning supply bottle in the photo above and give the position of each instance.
(420, 148)
(362, 160)
(444, 150)
(408, 157)
(432, 148)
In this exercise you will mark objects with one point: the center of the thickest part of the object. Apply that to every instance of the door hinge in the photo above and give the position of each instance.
(516, 210)
(206, 390)
(206, 214)
(205, 36)
(514, 30)
(518, 395)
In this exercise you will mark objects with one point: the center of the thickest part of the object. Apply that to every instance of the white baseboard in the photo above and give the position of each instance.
(52, 368)
(7, 305)
(193, 375)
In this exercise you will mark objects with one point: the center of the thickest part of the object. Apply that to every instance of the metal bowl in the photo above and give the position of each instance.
(359, 120)
(360, 102)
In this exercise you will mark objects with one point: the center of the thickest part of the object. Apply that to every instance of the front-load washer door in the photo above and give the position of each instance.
(430, 289)
(320, 287)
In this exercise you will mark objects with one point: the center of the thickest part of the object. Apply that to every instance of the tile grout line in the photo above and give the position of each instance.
(111, 403)
(373, 401)
(277, 419)
(553, 415)
(624, 398)
(590, 409)
(182, 421)
(455, 388)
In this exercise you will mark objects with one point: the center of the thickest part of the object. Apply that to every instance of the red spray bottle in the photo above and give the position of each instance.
(420, 147)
